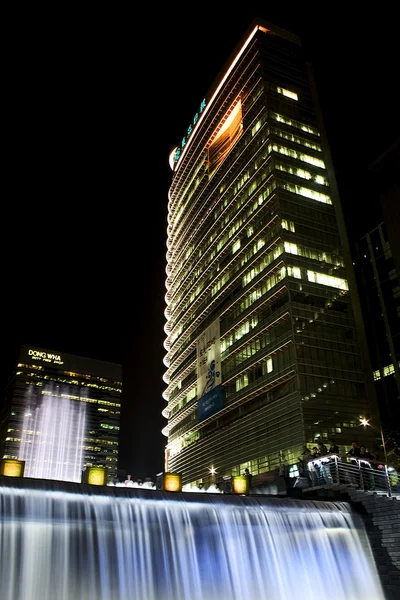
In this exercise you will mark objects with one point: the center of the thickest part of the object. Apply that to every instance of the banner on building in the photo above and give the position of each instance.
(210, 403)
(209, 371)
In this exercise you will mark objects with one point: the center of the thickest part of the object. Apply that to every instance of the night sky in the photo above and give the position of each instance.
(94, 104)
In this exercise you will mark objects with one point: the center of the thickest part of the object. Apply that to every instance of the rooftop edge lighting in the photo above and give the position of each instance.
(174, 165)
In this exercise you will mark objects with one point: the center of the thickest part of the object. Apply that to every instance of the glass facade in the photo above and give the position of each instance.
(62, 414)
(262, 321)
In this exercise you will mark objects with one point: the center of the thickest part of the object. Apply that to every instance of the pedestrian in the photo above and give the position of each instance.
(304, 461)
(322, 449)
(249, 477)
(354, 453)
(366, 468)
(316, 463)
(315, 452)
(334, 461)
(325, 472)
(333, 448)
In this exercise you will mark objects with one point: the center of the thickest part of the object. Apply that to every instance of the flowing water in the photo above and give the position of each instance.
(81, 542)
(53, 433)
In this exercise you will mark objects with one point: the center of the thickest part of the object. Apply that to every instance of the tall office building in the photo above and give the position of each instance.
(62, 414)
(264, 338)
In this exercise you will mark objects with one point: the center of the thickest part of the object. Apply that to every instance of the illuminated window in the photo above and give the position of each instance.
(236, 247)
(192, 394)
(287, 93)
(296, 124)
(294, 272)
(297, 155)
(287, 225)
(242, 382)
(329, 280)
(291, 248)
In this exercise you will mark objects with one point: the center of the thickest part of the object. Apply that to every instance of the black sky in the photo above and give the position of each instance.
(95, 102)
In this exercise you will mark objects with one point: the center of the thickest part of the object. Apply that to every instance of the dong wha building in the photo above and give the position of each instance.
(62, 414)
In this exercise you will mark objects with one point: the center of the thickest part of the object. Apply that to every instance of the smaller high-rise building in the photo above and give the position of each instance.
(61, 414)
(380, 280)
(377, 267)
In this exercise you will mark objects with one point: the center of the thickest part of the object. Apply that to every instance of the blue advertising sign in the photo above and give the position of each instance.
(210, 403)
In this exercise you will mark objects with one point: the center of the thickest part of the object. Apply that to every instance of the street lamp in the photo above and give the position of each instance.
(365, 422)
(213, 471)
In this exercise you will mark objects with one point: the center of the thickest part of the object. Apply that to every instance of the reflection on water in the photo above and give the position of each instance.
(150, 545)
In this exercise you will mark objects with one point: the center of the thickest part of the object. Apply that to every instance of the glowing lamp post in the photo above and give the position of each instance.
(240, 484)
(169, 482)
(11, 467)
(365, 422)
(213, 472)
(95, 476)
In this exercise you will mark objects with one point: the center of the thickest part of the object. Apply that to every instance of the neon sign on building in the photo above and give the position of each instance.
(189, 131)
(45, 356)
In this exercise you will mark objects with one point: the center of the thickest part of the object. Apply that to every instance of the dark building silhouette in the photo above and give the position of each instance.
(377, 260)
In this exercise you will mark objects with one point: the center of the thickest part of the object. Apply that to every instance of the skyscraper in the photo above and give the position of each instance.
(62, 414)
(264, 334)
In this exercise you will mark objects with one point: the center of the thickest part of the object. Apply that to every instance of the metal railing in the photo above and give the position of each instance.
(338, 469)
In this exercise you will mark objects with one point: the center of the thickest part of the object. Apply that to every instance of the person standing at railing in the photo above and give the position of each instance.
(249, 478)
(322, 449)
(325, 460)
(333, 448)
(304, 461)
(333, 461)
(354, 453)
(366, 468)
(316, 463)
(128, 481)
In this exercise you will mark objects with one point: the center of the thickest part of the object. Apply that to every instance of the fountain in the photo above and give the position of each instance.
(53, 431)
(69, 541)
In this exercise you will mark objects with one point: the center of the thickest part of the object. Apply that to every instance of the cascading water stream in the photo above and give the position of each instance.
(80, 542)
(53, 431)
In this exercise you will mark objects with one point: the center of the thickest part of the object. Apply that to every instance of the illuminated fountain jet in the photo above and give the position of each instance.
(52, 434)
